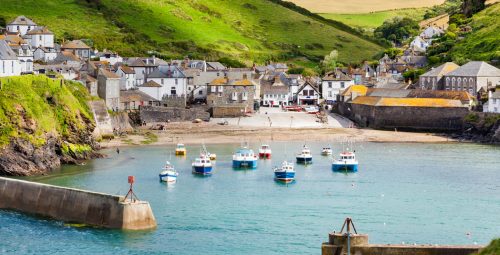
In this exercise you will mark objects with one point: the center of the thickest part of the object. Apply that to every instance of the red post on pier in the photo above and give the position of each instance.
(133, 197)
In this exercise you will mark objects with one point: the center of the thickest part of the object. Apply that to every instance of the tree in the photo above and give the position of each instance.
(330, 61)
(397, 29)
(469, 7)
(393, 52)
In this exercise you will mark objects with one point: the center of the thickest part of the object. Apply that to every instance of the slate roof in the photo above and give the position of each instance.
(6, 53)
(441, 70)
(396, 93)
(65, 56)
(175, 72)
(135, 95)
(476, 68)
(216, 65)
(22, 20)
(75, 44)
(108, 74)
(127, 70)
(227, 82)
(336, 76)
(150, 84)
(270, 89)
(40, 31)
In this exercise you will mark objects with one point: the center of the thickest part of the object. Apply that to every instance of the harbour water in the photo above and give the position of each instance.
(412, 193)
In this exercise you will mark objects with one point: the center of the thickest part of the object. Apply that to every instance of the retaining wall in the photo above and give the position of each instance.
(74, 205)
(152, 114)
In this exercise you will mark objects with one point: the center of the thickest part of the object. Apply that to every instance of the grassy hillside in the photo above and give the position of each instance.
(247, 30)
(33, 106)
(373, 20)
(483, 43)
(362, 6)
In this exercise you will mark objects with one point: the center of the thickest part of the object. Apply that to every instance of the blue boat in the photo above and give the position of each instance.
(202, 165)
(304, 157)
(346, 163)
(285, 173)
(245, 158)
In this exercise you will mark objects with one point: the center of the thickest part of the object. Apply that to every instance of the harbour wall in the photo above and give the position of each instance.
(76, 206)
(410, 118)
(337, 245)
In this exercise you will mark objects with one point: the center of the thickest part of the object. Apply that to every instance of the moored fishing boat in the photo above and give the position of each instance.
(304, 157)
(212, 156)
(346, 162)
(244, 158)
(265, 151)
(285, 173)
(326, 151)
(168, 173)
(202, 165)
(180, 150)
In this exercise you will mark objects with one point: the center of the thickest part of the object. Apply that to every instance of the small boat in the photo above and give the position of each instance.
(202, 165)
(265, 151)
(285, 173)
(346, 163)
(312, 109)
(244, 158)
(326, 151)
(180, 150)
(168, 173)
(304, 157)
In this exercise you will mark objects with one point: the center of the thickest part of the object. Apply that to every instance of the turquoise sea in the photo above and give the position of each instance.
(412, 193)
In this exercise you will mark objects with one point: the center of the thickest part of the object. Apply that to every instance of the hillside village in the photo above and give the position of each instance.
(132, 83)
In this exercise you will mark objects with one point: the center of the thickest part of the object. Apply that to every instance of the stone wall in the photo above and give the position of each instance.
(152, 114)
(228, 111)
(411, 118)
(174, 101)
(74, 205)
(225, 99)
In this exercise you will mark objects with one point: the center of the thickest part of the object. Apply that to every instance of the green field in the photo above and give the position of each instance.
(483, 43)
(374, 19)
(248, 30)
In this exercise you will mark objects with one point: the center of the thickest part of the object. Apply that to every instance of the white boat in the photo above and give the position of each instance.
(285, 173)
(265, 151)
(326, 151)
(168, 173)
(304, 157)
(245, 158)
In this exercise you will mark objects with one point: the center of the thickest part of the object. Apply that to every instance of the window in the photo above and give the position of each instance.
(213, 89)
(245, 76)
(244, 96)
(234, 96)
(200, 92)
(173, 91)
(176, 81)
(330, 84)
(162, 82)
(221, 88)
(342, 85)
(218, 74)
(329, 94)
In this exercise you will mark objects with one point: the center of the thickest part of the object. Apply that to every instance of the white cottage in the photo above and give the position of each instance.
(431, 31)
(419, 44)
(127, 77)
(173, 81)
(333, 83)
(41, 37)
(21, 25)
(308, 94)
(493, 103)
(9, 63)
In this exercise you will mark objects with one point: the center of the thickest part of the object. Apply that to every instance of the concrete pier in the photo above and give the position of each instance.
(358, 243)
(76, 206)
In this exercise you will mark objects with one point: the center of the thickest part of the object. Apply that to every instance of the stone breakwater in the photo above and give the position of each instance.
(76, 206)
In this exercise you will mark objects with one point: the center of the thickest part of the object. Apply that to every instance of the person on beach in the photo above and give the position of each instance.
(117, 150)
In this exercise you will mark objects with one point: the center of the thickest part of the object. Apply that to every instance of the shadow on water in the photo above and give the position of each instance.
(284, 184)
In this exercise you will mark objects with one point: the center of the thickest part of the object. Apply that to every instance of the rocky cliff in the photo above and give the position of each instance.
(43, 123)
(481, 127)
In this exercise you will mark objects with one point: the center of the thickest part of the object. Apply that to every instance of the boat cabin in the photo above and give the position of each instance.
(244, 153)
(347, 156)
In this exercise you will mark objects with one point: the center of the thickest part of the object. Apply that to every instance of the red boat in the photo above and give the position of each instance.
(265, 151)
(293, 108)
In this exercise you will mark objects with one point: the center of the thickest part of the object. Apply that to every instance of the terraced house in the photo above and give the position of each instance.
(226, 97)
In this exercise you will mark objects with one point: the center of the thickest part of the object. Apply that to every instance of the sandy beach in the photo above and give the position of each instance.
(211, 133)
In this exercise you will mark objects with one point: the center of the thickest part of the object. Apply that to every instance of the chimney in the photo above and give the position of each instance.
(204, 66)
(154, 60)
